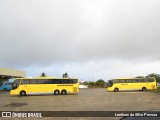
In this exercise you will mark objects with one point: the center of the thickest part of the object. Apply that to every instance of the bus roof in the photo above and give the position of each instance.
(130, 78)
(45, 77)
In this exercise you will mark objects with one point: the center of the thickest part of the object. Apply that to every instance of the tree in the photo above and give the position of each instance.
(43, 75)
(140, 76)
(91, 84)
(65, 75)
(157, 76)
(100, 83)
(86, 83)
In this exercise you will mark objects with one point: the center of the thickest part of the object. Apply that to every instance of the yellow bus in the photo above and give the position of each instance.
(122, 84)
(45, 85)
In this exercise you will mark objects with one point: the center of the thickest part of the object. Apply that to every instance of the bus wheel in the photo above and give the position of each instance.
(63, 92)
(5, 89)
(23, 93)
(56, 92)
(144, 89)
(116, 90)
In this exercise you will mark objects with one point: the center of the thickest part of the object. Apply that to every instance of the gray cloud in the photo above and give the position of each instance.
(59, 32)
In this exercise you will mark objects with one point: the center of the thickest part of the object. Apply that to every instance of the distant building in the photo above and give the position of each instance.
(6, 74)
(81, 85)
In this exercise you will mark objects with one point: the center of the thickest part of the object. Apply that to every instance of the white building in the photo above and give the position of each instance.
(81, 85)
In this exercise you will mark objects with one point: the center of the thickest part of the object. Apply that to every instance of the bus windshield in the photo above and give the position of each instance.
(1, 84)
(15, 84)
(110, 83)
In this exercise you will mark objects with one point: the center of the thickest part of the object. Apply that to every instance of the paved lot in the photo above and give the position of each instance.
(86, 100)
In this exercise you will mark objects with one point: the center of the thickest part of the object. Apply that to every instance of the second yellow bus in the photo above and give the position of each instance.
(123, 84)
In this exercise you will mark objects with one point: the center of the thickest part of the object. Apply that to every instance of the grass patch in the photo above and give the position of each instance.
(157, 90)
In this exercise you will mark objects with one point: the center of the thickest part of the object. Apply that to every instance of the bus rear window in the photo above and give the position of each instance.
(75, 80)
(151, 80)
(146, 80)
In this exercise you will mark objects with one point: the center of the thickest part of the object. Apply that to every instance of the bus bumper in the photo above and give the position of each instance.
(110, 89)
(13, 92)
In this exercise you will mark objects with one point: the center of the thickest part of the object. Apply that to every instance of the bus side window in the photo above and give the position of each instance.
(116, 81)
(122, 81)
(8, 83)
(134, 80)
(33, 81)
(57, 81)
(70, 81)
(41, 81)
(140, 80)
(128, 81)
(64, 81)
(50, 81)
(17, 82)
(24, 82)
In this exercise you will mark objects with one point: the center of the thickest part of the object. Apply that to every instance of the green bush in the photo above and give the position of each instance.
(158, 89)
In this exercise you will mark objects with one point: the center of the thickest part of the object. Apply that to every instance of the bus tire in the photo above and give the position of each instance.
(144, 89)
(63, 92)
(116, 90)
(22, 93)
(5, 89)
(56, 92)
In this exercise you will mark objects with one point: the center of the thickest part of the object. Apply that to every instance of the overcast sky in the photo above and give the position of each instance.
(88, 39)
